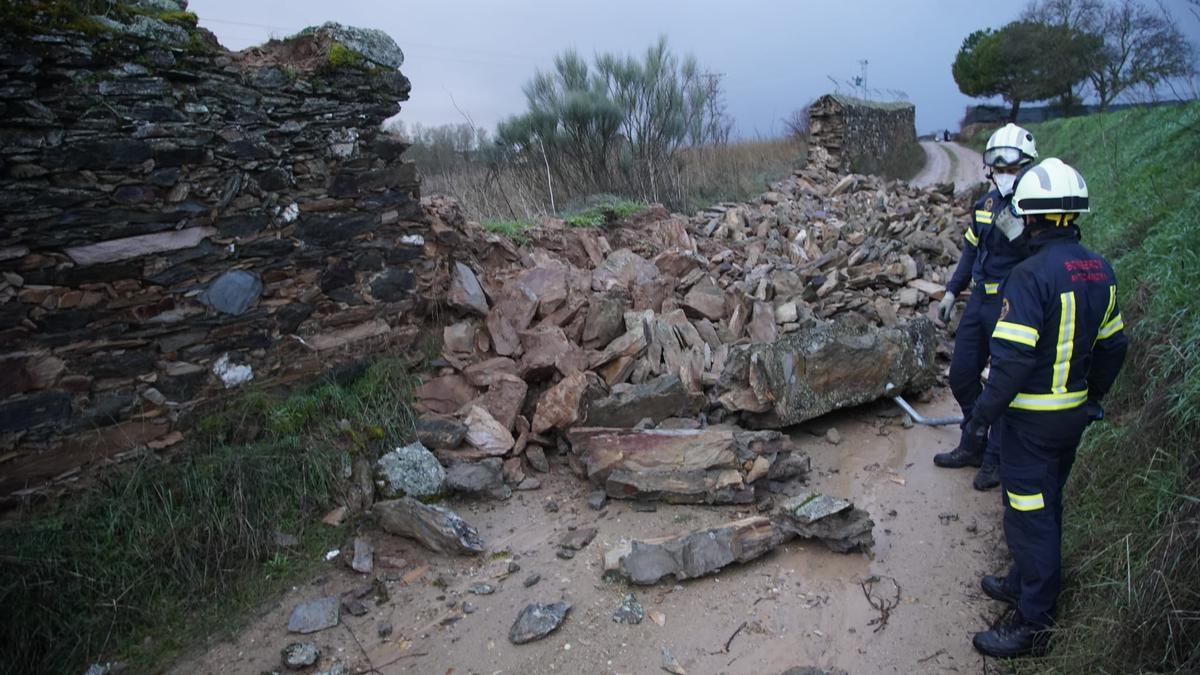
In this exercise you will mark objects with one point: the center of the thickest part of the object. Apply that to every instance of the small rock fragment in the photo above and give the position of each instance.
(298, 656)
(670, 663)
(578, 539)
(537, 621)
(630, 611)
(481, 588)
(657, 617)
(597, 499)
(385, 629)
(531, 580)
(363, 560)
(468, 608)
(354, 607)
(833, 436)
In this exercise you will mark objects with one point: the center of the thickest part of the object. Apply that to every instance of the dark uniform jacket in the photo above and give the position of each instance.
(1060, 340)
(988, 256)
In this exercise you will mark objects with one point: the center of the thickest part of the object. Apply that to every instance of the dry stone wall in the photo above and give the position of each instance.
(863, 136)
(179, 220)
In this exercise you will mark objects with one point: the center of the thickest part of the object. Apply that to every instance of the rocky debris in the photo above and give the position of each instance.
(576, 540)
(298, 656)
(486, 434)
(481, 588)
(384, 629)
(437, 528)
(531, 580)
(484, 477)
(411, 470)
(437, 433)
(468, 608)
(537, 621)
(715, 465)
(828, 366)
(671, 664)
(362, 560)
(695, 554)
(597, 499)
(465, 291)
(371, 44)
(354, 607)
(630, 611)
(833, 436)
(835, 522)
(628, 404)
(313, 616)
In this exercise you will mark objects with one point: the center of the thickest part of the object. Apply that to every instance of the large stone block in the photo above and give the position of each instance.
(824, 367)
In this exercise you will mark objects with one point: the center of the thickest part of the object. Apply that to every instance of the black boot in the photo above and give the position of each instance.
(987, 477)
(1013, 639)
(993, 587)
(958, 458)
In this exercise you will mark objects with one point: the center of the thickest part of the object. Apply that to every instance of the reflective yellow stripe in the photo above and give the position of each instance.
(1066, 344)
(991, 289)
(971, 238)
(1049, 402)
(1016, 332)
(1026, 502)
(1112, 302)
(984, 217)
(1110, 329)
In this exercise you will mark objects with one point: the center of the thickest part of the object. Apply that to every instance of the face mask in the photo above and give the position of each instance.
(1004, 182)
(1011, 225)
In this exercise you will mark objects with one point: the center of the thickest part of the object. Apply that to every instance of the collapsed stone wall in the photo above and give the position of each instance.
(863, 136)
(178, 218)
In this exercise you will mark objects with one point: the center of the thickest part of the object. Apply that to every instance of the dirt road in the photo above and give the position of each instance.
(949, 162)
(800, 605)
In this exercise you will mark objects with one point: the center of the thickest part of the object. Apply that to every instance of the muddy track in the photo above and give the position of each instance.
(800, 605)
(949, 163)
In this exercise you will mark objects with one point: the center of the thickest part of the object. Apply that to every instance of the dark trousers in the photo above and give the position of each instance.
(1036, 454)
(971, 350)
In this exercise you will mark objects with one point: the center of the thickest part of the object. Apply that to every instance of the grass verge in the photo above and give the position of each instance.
(157, 556)
(1131, 601)
(514, 229)
(603, 209)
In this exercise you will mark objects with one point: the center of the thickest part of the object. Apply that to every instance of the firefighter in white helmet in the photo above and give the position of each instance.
(990, 250)
(1056, 350)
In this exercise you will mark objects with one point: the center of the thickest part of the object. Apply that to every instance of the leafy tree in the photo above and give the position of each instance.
(1023, 61)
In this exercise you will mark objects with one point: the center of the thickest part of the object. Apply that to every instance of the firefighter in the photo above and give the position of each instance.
(1056, 350)
(988, 256)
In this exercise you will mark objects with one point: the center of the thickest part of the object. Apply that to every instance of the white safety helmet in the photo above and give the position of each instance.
(1051, 187)
(1010, 146)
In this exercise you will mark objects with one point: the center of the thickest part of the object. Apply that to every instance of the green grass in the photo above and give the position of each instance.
(155, 557)
(1131, 599)
(341, 56)
(604, 210)
(513, 229)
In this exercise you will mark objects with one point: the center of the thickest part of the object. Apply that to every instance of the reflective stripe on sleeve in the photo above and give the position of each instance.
(1026, 502)
(1110, 329)
(991, 289)
(1049, 402)
(984, 217)
(1016, 332)
(971, 238)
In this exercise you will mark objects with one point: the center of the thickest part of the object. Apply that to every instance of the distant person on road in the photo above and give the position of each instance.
(989, 254)
(946, 135)
(1056, 350)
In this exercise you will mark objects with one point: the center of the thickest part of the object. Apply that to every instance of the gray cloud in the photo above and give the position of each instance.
(775, 56)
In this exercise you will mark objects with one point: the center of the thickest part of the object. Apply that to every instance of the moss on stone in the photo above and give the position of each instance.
(341, 56)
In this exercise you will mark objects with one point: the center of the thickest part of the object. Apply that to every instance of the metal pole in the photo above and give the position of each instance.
(918, 417)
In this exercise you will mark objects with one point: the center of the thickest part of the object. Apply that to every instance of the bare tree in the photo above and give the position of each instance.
(797, 123)
(1142, 48)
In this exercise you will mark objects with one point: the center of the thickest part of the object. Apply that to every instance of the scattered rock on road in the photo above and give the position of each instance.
(313, 616)
(298, 656)
(630, 611)
(537, 621)
(437, 528)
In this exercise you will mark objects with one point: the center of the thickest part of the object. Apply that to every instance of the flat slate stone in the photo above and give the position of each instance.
(537, 621)
(313, 616)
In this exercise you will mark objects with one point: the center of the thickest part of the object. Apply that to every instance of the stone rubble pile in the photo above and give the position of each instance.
(641, 349)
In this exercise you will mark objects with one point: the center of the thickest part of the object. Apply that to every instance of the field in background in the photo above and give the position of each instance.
(700, 177)
(1132, 508)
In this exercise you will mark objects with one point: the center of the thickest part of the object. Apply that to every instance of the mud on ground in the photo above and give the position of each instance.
(801, 605)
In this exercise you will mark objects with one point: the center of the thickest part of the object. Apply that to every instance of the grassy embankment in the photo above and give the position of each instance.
(1131, 601)
(156, 557)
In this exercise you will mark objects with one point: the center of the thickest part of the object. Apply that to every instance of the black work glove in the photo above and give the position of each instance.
(975, 435)
(1095, 411)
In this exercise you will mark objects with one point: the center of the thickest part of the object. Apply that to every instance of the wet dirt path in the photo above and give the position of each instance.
(800, 605)
(949, 163)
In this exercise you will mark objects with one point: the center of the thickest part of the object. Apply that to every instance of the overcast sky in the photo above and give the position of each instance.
(774, 56)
